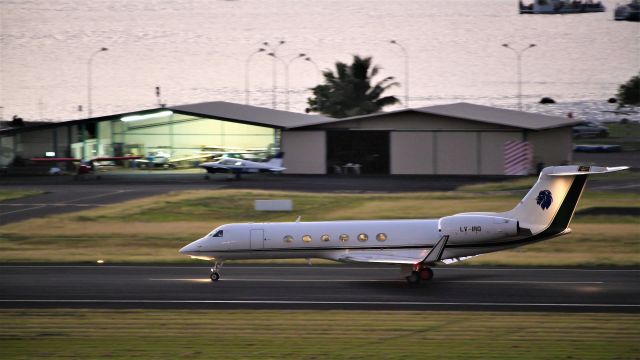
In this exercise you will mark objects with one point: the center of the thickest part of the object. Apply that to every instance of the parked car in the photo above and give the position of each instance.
(590, 129)
(597, 148)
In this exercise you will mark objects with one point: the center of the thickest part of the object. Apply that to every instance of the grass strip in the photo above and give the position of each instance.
(17, 194)
(261, 334)
(153, 229)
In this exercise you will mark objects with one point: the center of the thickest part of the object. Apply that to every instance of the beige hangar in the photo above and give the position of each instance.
(461, 138)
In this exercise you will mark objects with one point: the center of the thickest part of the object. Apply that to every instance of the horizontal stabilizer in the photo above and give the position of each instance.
(584, 170)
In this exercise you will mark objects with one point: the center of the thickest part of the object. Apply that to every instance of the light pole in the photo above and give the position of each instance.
(406, 71)
(246, 75)
(274, 49)
(519, 59)
(89, 63)
(318, 72)
(286, 72)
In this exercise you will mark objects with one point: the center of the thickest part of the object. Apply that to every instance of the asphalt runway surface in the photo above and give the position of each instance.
(320, 287)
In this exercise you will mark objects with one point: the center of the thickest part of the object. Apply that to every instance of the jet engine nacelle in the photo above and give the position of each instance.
(464, 229)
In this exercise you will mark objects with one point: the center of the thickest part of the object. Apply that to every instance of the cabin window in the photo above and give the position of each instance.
(306, 238)
(325, 237)
(344, 237)
(363, 237)
(381, 237)
(217, 234)
(287, 238)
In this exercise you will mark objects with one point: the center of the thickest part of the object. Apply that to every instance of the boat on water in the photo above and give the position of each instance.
(628, 12)
(561, 7)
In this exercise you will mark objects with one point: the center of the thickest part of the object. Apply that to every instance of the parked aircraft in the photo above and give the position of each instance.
(85, 167)
(237, 167)
(163, 160)
(415, 245)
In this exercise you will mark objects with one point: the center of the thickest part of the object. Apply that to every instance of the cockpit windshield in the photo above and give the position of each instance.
(218, 233)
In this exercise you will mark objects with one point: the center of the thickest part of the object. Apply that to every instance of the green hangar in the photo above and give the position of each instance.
(179, 131)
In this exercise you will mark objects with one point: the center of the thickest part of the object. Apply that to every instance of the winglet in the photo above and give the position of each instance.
(436, 252)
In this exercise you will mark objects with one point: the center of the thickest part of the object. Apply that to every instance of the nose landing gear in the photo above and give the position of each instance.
(215, 275)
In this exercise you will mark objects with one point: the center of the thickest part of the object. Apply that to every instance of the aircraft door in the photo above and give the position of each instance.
(257, 239)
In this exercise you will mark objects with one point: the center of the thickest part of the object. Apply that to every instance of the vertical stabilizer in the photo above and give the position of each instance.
(549, 205)
(276, 161)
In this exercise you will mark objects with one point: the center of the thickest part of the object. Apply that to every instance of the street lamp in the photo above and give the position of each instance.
(406, 71)
(286, 72)
(519, 59)
(318, 72)
(274, 49)
(89, 63)
(246, 75)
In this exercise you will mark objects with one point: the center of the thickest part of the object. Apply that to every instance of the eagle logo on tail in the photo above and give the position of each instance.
(544, 199)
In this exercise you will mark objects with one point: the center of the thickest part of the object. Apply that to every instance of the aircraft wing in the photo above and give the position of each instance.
(187, 158)
(48, 159)
(101, 158)
(111, 158)
(213, 165)
(405, 256)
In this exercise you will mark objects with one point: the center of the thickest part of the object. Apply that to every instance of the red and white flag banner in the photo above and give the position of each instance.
(518, 157)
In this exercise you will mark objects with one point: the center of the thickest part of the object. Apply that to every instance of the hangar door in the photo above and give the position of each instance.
(367, 148)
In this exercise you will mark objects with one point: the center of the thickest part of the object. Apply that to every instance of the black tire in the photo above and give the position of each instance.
(426, 274)
(214, 276)
(414, 278)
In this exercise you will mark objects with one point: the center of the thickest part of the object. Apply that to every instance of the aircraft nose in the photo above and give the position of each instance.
(192, 247)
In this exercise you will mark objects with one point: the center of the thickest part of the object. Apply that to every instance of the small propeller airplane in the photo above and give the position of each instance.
(163, 160)
(237, 167)
(415, 245)
(84, 167)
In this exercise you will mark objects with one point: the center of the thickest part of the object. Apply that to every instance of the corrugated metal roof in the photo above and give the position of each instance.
(493, 115)
(251, 115)
(222, 110)
(485, 114)
(260, 116)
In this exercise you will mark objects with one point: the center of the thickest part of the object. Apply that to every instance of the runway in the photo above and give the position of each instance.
(319, 287)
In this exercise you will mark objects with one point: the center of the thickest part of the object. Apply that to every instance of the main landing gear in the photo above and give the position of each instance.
(419, 274)
(215, 275)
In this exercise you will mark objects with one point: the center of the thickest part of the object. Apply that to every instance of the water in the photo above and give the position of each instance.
(197, 50)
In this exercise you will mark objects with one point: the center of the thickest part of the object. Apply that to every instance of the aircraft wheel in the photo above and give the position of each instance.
(426, 274)
(215, 276)
(414, 278)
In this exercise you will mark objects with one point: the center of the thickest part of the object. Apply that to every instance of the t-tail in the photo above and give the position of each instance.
(545, 212)
(548, 207)
(276, 161)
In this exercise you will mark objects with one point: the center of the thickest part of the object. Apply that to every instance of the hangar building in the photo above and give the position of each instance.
(178, 131)
(458, 138)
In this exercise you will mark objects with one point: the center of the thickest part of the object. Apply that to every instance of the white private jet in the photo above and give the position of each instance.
(238, 167)
(415, 245)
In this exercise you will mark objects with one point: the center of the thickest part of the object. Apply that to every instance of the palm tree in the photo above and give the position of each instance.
(629, 92)
(348, 91)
